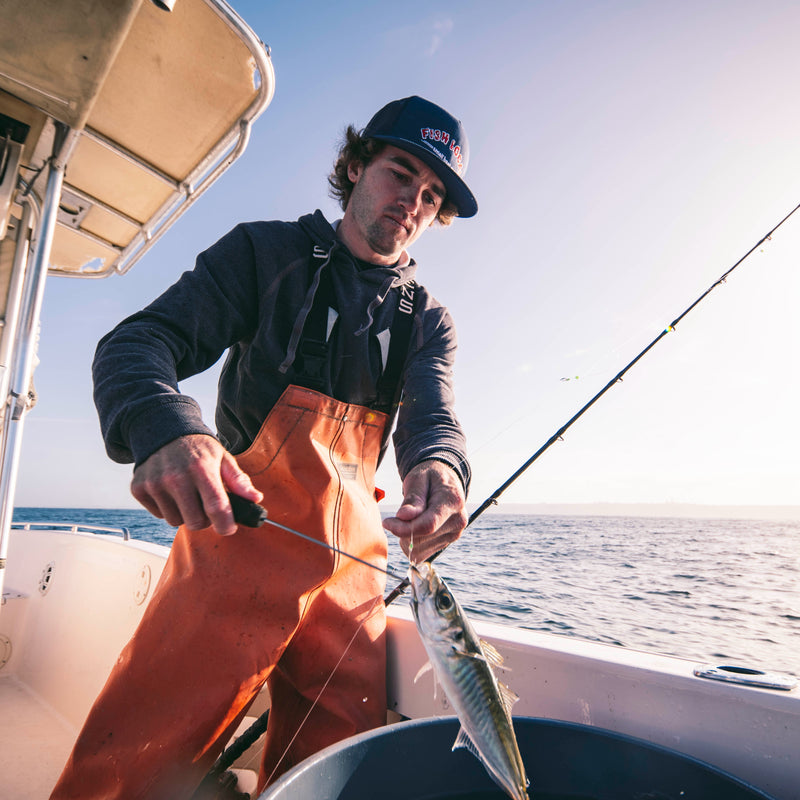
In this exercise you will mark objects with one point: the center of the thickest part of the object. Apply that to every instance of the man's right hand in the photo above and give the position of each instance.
(186, 483)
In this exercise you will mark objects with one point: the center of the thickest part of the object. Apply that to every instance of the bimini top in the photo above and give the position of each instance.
(158, 104)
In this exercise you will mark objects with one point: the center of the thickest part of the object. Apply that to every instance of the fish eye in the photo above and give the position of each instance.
(443, 601)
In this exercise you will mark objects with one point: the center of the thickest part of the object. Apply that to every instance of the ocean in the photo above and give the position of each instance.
(721, 591)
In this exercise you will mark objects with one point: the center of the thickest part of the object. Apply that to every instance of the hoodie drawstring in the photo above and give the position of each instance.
(308, 302)
(377, 301)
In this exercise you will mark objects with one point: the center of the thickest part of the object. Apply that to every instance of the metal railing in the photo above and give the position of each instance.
(71, 528)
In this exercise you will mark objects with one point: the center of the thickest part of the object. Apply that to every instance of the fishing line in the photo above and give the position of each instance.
(559, 434)
(324, 687)
(253, 733)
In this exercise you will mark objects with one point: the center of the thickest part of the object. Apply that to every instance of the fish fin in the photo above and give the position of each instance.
(508, 696)
(463, 740)
(426, 667)
(478, 656)
(492, 656)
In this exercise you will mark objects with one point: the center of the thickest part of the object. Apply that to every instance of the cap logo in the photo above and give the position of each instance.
(436, 135)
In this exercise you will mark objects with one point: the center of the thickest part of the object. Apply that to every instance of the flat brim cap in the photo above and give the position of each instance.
(427, 131)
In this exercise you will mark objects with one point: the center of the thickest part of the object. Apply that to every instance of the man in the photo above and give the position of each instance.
(324, 326)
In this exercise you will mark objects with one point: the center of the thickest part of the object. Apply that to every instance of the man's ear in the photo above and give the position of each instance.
(354, 170)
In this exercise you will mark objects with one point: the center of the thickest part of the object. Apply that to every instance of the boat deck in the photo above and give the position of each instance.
(30, 773)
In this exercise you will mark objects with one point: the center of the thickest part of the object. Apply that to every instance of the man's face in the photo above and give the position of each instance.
(395, 198)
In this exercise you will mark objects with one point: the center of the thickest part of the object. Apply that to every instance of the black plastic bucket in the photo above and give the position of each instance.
(413, 761)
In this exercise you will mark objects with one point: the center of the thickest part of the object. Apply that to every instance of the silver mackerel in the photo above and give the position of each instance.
(462, 664)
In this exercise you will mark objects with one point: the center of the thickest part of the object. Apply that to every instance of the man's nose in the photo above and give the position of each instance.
(410, 198)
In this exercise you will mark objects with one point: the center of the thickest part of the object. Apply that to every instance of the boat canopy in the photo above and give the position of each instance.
(159, 102)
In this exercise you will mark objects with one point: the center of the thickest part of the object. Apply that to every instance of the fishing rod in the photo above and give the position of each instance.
(253, 515)
(559, 434)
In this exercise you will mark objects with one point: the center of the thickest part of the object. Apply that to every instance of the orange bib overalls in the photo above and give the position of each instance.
(231, 612)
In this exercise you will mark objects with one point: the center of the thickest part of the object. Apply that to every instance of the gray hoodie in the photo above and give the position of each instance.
(250, 294)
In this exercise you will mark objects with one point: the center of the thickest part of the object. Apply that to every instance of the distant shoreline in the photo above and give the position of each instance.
(681, 510)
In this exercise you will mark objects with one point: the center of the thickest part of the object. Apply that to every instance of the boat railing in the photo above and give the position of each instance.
(71, 528)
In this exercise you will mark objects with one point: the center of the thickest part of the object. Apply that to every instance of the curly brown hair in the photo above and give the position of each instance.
(355, 147)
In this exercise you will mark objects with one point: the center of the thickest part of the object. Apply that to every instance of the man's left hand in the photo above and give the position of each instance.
(432, 515)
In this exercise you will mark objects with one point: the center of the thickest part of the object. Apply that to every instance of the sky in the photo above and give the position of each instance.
(624, 156)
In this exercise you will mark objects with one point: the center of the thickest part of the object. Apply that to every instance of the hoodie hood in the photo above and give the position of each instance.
(323, 234)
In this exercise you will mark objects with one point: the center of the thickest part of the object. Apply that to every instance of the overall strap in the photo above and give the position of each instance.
(312, 364)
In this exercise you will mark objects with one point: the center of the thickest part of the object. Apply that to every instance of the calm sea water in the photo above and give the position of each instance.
(722, 591)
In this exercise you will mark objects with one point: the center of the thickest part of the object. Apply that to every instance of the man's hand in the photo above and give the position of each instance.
(432, 515)
(186, 482)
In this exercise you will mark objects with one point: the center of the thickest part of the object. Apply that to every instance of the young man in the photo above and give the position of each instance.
(324, 327)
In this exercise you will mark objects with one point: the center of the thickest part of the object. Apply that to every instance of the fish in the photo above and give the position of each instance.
(463, 666)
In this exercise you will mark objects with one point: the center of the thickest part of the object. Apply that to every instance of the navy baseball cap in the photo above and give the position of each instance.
(428, 132)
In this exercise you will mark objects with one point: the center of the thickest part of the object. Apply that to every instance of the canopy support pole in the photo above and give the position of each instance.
(24, 338)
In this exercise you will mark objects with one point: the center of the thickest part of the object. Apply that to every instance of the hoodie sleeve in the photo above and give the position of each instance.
(138, 365)
(427, 427)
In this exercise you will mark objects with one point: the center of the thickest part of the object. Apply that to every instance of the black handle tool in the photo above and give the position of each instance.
(246, 512)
